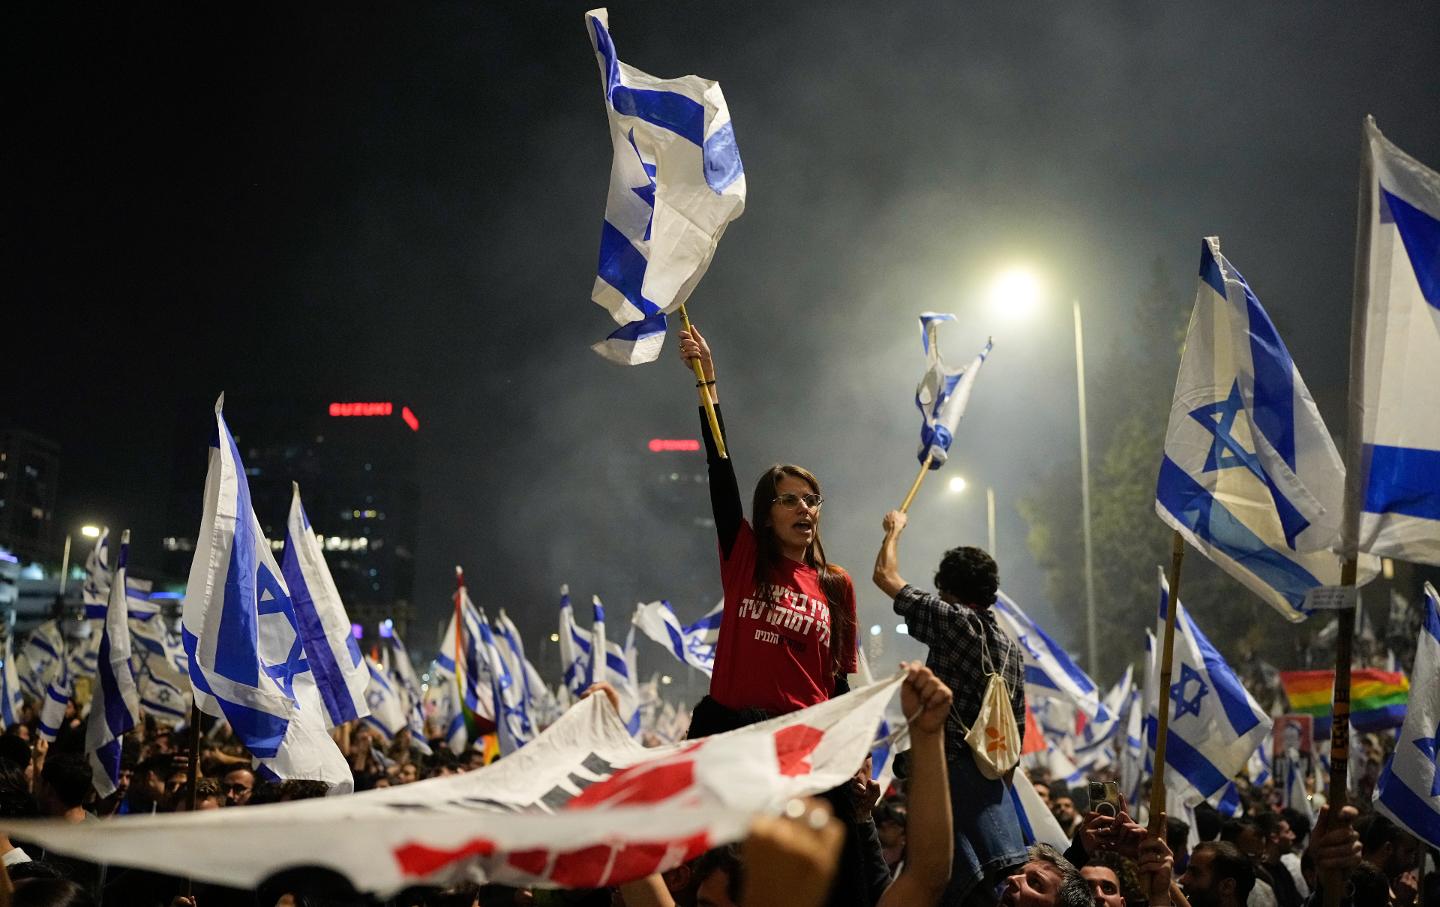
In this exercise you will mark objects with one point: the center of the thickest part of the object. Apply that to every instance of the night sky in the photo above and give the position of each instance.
(403, 202)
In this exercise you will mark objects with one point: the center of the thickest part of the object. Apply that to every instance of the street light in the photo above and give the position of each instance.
(89, 532)
(1015, 294)
(957, 484)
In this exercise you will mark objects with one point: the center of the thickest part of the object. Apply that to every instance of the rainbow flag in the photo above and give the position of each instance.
(1377, 698)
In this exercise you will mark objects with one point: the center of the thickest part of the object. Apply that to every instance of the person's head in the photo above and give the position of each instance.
(1112, 879)
(1177, 838)
(1370, 884)
(407, 773)
(1246, 834)
(1043, 790)
(1219, 875)
(177, 784)
(718, 878)
(785, 513)
(237, 785)
(147, 783)
(64, 783)
(50, 893)
(1299, 824)
(1062, 807)
(14, 751)
(1207, 821)
(1386, 845)
(207, 796)
(890, 819)
(1279, 839)
(968, 576)
(302, 789)
(1046, 879)
(16, 801)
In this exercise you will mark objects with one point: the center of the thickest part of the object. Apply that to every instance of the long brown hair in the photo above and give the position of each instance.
(767, 554)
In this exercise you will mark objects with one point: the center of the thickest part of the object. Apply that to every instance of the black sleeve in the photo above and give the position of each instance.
(1075, 853)
(724, 490)
(876, 873)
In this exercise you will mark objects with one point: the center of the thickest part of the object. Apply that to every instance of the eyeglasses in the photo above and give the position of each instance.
(791, 501)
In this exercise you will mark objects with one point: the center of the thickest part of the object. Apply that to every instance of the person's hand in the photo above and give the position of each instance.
(924, 699)
(1156, 865)
(864, 790)
(895, 521)
(1406, 887)
(1119, 833)
(182, 901)
(791, 859)
(603, 687)
(693, 348)
(1334, 845)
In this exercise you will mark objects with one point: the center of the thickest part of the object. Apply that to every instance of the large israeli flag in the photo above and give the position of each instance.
(694, 645)
(1050, 672)
(1395, 342)
(1408, 790)
(239, 628)
(1250, 476)
(1215, 724)
(115, 705)
(675, 182)
(574, 648)
(943, 392)
(324, 628)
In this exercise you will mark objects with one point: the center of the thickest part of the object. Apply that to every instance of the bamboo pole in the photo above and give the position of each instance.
(459, 635)
(915, 487)
(1167, 667)
(705, 395)
(1339, 793)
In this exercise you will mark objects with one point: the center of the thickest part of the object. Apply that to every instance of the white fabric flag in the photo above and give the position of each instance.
(676, 181)
(239, 627)
(1394, 493)
(115, 705)
(943, 392)
(693, 645)
(582, 806)
(1408, 789)
(574, 648)
(321, 623)
(1050, 672)
(1250, 476)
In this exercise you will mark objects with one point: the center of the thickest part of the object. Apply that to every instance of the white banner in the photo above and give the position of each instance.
(582, 806)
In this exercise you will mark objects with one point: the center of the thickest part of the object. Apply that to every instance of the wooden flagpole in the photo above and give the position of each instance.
(459, 635)
(705, 394)
(1162, 687)
(915, 487)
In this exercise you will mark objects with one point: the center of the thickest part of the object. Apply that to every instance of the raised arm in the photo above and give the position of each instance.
(724, 489)
(887, 562)
(926, 702)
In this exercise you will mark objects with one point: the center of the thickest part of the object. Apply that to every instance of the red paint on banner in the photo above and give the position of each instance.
(420, 860)
(793, 746)
(648, 782)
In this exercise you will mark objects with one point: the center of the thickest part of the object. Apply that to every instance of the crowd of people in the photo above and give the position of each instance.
(946, 831)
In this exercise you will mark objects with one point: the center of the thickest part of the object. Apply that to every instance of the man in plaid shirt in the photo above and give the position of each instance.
(966, 647)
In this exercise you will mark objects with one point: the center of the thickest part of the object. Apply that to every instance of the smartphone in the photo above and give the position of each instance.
(1105, 798)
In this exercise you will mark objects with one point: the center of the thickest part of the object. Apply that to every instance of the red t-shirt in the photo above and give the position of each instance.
(773, 652)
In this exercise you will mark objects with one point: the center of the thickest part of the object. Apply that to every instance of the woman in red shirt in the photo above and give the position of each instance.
(787, 634)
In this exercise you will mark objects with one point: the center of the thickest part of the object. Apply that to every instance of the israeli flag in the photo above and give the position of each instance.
(1250, 476)
(1093, 746)
(512, 719)
(58, 691)
(1215, 724)
(96, 590)
(943, 392)
(1050, 672)
(1037, 824)
(11, 698)
(161, 668)
(1296, 797)
(386, 707)
(676, 180)
(402, 670)
(694, 645)
(44, 654)
(1396, 335)
(1408, 790)
(115, 706)
(323, 626)
(241, 634)
(574, 648)
(473, 681)
(1132, 749)
(616, 666)
(540, 705)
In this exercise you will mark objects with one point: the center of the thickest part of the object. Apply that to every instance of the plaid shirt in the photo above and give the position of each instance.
(954, 634)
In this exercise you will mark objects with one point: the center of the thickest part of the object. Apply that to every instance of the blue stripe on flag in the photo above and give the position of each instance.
(1210, 269)
(329, 678)
(722, 158)
(237, 658)
(1404, 480)
(1198, 511)
(1233, 698)
(262, 732)
(1274, 404)
(665, 109)
(1420, 234)
(1415, 811)
(623, 267)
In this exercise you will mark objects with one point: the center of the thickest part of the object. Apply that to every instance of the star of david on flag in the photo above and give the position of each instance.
(1250, 476)
(693, 645)
(1215, 724)
(1408, 789)
(676, 181)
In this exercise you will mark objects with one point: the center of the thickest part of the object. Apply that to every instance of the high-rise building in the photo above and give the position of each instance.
(356, 463)
(29, 478)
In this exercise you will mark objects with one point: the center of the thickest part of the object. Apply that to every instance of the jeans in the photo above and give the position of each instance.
(988, 840)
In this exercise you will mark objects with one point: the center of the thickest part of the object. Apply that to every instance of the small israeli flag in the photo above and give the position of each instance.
(96, 590)
(402, 671)
(475, 683)
(540, 706)
(512, 720)
(1215, 724)
(1396, 488)
(58, 691)
(943, 392)
(240, 632)
(1050, 672)
(44, 654)
(693, 645)
(115, 706)
(1132, 750)
(323, 626)
(1250, 476)
(1093, 749)
(384, 702)
(675, 182)
(11, 698)
(1408, 789)
(574, 648)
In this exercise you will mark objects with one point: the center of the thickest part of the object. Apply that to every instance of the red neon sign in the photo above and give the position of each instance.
(659, 445)
(361, 409)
